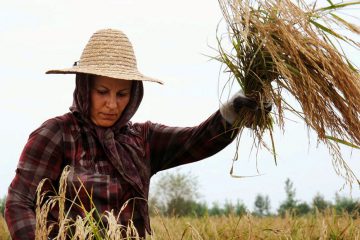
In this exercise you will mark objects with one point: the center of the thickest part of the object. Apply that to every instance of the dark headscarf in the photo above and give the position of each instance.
(81, 100)
(114, 140)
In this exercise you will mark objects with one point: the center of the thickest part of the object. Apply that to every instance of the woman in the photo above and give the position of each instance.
(113, 158)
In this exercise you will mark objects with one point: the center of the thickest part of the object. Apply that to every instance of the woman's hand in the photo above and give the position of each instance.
(230, 110)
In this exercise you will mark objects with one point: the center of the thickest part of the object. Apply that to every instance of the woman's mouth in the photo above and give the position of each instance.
(108, 116)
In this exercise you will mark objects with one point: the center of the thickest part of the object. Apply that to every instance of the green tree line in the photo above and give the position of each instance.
(177, 194)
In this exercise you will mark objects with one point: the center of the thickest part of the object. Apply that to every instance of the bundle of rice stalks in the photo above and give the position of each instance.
(279, 47)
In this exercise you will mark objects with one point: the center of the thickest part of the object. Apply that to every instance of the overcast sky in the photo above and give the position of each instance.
(171, 40)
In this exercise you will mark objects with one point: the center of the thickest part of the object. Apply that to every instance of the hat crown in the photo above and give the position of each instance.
(108, 48)
(108, 53)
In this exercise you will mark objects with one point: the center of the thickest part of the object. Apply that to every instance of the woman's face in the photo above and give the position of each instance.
(109, 97)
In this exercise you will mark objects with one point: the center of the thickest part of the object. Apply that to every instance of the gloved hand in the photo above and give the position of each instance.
(230, 110)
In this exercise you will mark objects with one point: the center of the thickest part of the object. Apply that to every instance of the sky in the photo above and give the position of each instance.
(172, 41)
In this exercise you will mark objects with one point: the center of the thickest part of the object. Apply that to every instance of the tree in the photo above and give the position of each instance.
(320, 203)
(302, 208)
(154, 205)
(179, 207)
(344, 204)
(262, 205)
(229, 208)
(240, 208)
(290, 203)
(215, 210)
(2, 205)
(199, 209)
(176, 194)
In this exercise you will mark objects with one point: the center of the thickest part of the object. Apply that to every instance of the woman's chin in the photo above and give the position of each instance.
(104, 122)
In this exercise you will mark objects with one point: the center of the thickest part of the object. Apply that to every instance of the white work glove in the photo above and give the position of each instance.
(230, 110)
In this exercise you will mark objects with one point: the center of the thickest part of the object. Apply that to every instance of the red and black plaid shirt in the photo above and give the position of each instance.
(64, 141)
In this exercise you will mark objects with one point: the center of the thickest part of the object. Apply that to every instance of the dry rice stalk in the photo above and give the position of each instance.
(194, 233)
(41, 214)
(61, 196)
(82, 229)
(91, 226)
(281, 47)
(115, 229)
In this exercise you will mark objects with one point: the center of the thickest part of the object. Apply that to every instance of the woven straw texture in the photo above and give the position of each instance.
(108, 53)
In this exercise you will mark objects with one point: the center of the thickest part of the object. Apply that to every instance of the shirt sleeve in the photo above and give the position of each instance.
(173, 146)
(41, 158)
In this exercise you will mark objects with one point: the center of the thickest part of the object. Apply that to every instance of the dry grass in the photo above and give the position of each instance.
(323, 226)
(4, 232)
(320, 226)
(279, 47)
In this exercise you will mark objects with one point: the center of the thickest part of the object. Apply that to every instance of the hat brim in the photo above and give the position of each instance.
(124, 75)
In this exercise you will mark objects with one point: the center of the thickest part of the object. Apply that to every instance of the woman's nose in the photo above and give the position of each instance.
(111, 102)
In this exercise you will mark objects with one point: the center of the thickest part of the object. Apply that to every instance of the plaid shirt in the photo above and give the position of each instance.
(65, 141)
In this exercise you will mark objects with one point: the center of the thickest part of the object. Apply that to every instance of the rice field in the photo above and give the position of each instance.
(322, 226)
(325, 224)
(317, 226)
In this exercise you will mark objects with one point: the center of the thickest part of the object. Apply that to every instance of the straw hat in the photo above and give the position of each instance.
(108, 53)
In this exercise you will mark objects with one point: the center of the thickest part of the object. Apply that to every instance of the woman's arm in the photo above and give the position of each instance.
(174, 146)
(171, 146)
(41, 158)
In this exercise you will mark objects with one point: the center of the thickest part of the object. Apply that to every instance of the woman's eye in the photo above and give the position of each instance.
(122, 94)
(101, 92)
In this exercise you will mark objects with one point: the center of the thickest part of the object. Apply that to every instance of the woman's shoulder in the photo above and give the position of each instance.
(66, 119)
(58, 124)
(140, 127)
